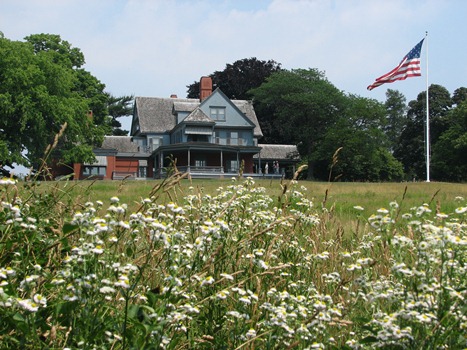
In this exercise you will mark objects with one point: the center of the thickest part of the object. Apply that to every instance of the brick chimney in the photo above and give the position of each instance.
(205, 88)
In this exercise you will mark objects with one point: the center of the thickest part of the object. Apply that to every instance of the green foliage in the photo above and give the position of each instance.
(43, 88)
(449, 160)
(238, 78)
(305, 106)
(119, 107)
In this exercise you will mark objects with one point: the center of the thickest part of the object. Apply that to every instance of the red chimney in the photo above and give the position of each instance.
(205, 87)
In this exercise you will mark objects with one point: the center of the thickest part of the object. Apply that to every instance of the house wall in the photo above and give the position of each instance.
(77, 170)
(111, 161)
(233, 116)
(126, 165)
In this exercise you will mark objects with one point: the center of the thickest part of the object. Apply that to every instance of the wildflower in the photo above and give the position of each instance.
(383, 211)
(7, 181)
(251, 333)
(28, 305)
(207, 280)
(107, 290)
(97, 250)
(39, 299)
(223, 294)
(461, 210)
(114, 199)
(426, 318)
(123, 282)
(5, 272)
(245, 299)
(227, 276)
(359, 207)
(322, 256)
(262, 264)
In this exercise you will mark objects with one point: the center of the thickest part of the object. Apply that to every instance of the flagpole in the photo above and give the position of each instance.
(427, 115)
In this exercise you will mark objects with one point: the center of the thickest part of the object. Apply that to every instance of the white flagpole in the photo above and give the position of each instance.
(427, 138)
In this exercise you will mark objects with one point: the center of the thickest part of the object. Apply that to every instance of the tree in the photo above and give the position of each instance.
(43, 87)
(459, 95)
(396, 119)
(239, 77)
(304, 105)
(411, 148)
(449, 156)
(119, 107)
(363, 153)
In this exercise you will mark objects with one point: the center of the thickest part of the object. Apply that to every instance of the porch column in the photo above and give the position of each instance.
(222, 161)
(259, 163)
(238, 162)
(161, 163)
(189, 161)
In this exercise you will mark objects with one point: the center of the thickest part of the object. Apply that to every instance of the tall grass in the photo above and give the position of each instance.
(239, 265)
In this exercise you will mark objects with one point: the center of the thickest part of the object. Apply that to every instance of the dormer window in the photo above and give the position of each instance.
(218, 114)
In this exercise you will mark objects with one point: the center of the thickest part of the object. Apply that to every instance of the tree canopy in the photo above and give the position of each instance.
(43, 86)
(239, 77)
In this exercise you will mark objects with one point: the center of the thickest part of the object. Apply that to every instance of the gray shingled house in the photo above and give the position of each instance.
(208, 137)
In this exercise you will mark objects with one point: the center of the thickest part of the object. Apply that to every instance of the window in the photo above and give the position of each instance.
(218, 113)
(200, 162)
(94, 170)
(142, 171)
(233, 166)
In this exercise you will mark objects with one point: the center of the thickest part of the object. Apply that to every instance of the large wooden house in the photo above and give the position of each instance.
(212, 136)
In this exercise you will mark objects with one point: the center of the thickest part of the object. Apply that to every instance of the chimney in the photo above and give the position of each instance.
(205, 88)
(173, 96)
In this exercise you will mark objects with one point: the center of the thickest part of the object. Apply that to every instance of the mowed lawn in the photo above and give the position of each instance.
(339, 198)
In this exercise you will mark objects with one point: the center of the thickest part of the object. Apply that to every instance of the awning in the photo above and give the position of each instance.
(197, 130)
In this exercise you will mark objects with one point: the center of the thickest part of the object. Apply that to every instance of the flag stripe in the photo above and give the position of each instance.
(409, 67)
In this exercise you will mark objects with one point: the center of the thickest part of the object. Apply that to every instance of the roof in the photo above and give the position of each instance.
(122, 144)
(198, 116)
(278, 152)
(156, 115)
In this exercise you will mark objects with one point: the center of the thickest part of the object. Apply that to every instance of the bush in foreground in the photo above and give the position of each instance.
(238, 269)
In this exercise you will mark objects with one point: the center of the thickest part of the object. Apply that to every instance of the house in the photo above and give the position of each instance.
(208, 137)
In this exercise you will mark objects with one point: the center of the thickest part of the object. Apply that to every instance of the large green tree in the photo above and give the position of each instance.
(411, 148)
(42, 87)
(304, 105)
(239, 77)
(449, 153)
(363, 147)
(396, 116)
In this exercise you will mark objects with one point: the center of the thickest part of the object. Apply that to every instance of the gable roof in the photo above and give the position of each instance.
(278, 152)
(122, 144)
(198, 116)
(155, 114)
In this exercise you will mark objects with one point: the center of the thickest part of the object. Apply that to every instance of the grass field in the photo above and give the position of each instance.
(339, 197)
(224, 264)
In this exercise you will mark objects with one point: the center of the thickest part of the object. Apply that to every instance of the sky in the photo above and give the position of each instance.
(155, 48)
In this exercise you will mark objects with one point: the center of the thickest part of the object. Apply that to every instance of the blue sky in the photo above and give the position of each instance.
(157, 47)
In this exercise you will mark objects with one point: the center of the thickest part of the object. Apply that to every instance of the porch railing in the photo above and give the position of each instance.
(201, 169)
(120, 175)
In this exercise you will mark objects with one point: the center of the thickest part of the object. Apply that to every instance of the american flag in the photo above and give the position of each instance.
(408, 68)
